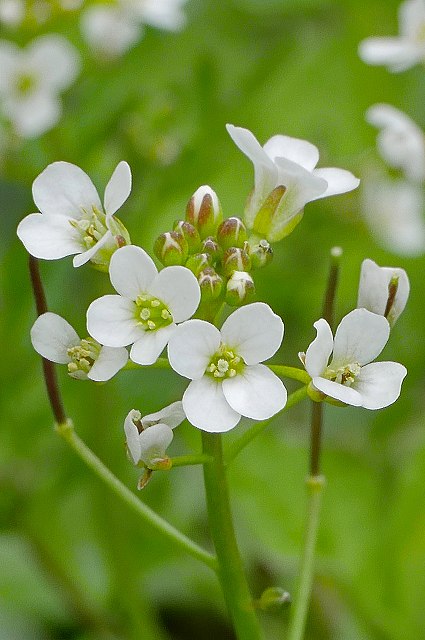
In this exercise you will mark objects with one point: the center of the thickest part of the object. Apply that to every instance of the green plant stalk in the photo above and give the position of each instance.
(66, 430)
(190, 459)
(230, 568)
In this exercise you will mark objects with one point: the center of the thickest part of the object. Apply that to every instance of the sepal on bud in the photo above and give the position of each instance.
(261, 254)
(231, 233)
(171, 248)
(190, 233)
(211, 284)
(240, 289)
(235, 259)
(204, 211)
(198, 262)
(271, 220)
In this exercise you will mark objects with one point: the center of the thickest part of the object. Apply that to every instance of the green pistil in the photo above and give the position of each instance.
(152, 313)
(25, 84)
(91, 226)
(83, 357)
(225, 364)
(344, 375)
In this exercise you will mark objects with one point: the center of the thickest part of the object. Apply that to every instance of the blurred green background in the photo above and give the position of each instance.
(74, 562)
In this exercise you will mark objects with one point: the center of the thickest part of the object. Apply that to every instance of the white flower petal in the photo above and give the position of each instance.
(52, 336)
(9, 60)
(254, 332)
(132, 271)
(360, 337)
(398, 54)
(379, 384)
(373, 289)
(111, 320)
(339, 181)
(33, 115)
(54, 59)
(255, 393)
(178, 288)
(64, 189)
(85, 256)
(109, 361)
(206, 407)
(302, 186)
(148, 347)
(411, 18)
(118, 188)
(166, 14)
(172, 415)
(192, 346)
(319, 351)
(132, 435)
(299, 151)
(48, 237)
(109, 29)
(154, 442)
(338, 391)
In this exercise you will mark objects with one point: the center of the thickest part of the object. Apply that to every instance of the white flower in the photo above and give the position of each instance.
(400, 141)
(400, 52)
(383, 290)
(148, 437)
(12, 12)
(148, 306)
(227, 380)
(289, 163)
(32, 79)
(393, 210)
(349, 378)
(72, 219)
(54, 339)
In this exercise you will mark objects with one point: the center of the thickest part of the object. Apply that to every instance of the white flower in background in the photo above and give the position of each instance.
(54, 339)
(31, 80)
(349, 378)
(12, 12)
(148, 307)
(289, 163)
(149, 437)
(393, 210)
(401, 52)
(72, 219)
(400, 141)
(227, 380)
(383, 290)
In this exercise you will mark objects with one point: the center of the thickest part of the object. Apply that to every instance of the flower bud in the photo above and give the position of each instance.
(190, 233)
(211, 284)
(274, 220)
(261, 254)
(235, 259)
(274, 598)
(198, 262)
(204, 211)
(120, 237)
(231, 233)
(240, 288)
(211, 247)
(171, 248)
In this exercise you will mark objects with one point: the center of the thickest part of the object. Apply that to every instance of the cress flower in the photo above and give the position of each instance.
(54, 339)
(148, 437)
(31, 80)
(148, 307)
(383, 290)
(401, 52)
(352, 377)
(285, 180)
(227, 381)
(72, 219)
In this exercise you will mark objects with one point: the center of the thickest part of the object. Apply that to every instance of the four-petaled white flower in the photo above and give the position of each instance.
(54, 339)
(289, 163)
(383, 290)
(32, 79)
(72, 219)
(148, 437)
(227, 380)
(401, 52)
(400, 141)
(148, 306)
(350, 378)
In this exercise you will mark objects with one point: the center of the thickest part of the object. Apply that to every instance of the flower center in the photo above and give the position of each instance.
(83, 357)
(225, 364)
(91, 226)
(344, 375)
(152, 313)
(25, 83)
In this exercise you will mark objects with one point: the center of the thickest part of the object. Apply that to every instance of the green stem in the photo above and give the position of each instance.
(188, 460)
(315, 485)
(66, 430)
(230, 568)
(290, 372)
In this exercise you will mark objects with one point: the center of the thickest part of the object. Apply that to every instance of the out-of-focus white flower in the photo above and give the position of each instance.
(394, 210)
(289, 164)
(383, 290)
(31, 80)
(227, 381)
(401, 52)
(149, 437)
(71, 5)
(400, 141)
(148, 307)
(72, 219)
(54, 339)
(12, 12)
(350, 378)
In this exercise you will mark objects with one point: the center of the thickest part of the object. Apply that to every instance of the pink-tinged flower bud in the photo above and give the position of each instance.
(231, 233)
(211, 284)
(204, 211)
(240, 289)
(190, 233)
(198, 262)
(235, 259)
(171, 248)
(261, 254)
(211, 247)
